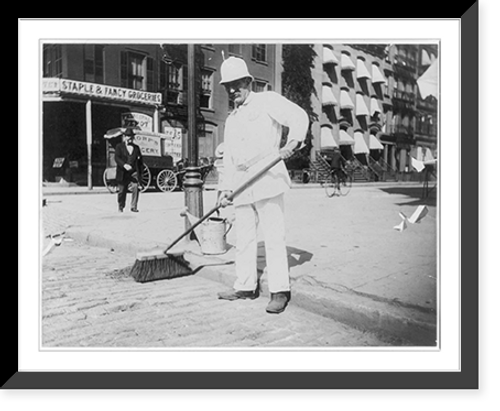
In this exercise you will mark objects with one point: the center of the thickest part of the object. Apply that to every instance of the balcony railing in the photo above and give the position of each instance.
(427, 104)
(404, 95)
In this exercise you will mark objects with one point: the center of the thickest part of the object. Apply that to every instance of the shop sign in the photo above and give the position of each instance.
(172, 143)
(100, 91)
(149, 145)
(58, 162)
(144, 122)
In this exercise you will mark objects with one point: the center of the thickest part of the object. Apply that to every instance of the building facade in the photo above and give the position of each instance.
(371, 107)
(367, 100)
(88, 89)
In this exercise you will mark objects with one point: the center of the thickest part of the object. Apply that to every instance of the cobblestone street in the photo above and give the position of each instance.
(88, 300)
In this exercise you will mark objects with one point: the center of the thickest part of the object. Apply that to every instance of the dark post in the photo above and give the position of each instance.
(192, 179)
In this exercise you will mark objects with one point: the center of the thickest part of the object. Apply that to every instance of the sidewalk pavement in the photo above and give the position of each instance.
(347, 261)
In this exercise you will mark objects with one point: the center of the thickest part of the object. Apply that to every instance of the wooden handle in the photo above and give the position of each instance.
(253, 179)
(236, 192)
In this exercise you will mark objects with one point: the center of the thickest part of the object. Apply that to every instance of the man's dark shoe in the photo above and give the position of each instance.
(278, 302)
(237, 295)
(134, 210)
(120, 209)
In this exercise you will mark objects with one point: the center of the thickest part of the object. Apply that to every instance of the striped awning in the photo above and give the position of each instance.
(374, 143)
(345, 100)
(328, 98)
(346, 62)
(426, 60)
(360, 146)
(327, 140)
(361, 71)
(377, 76)
(329, 57)
(374, 107)
(345, 139)
(361, 108)
(428, 82)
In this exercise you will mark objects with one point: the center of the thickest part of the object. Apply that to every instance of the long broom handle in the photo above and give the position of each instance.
(236, 192)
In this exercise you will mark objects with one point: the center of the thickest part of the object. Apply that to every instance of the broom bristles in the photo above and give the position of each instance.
(159, 267)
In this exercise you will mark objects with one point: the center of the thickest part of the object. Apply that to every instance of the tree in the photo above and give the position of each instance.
(298, 86)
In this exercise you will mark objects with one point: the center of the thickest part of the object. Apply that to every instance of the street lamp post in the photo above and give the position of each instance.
(192, 179)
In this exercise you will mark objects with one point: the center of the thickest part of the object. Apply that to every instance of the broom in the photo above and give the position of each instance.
(166, 264)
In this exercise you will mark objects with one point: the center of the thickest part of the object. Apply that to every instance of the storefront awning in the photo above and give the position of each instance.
(374, 107)
(375, 144)
(328, 98)
(346, 62)
(427, 155)
(361, 71)
(377, 76)
(426, 60)
(327, 140)
(345, 139)
(345, 100)
(360, 146)
(361, 109)
(428, 82)
(329, 57)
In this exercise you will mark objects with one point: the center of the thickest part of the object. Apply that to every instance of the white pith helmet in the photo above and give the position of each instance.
(233, 68)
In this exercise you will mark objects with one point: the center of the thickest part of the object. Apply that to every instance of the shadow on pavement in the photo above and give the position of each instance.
(296, 256)
(416, 195)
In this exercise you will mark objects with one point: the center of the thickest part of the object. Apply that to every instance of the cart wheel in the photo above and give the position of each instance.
(145, 178)
(110, 182)
(166, 180)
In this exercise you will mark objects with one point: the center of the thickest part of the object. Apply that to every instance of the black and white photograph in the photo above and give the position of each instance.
(239, 203)
(240, 195)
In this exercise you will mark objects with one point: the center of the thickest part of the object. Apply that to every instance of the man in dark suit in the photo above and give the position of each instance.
(129, 164)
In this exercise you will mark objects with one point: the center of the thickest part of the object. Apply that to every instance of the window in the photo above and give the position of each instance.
(150, 74)
(259, 52)
(234, 49)
(206, 89)
(93, 63)
(259, 86)
(173, 81)
(133, 70)
(52, 61)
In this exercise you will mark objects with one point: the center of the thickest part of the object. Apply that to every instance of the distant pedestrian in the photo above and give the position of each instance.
(129, 164)
(252, 138)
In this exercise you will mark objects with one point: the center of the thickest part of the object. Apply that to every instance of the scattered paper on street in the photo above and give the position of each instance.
(419, 214)
(415, 218)
(401, 226)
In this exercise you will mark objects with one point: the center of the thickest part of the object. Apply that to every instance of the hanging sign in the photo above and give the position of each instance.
(143, 121)
(149, 145)
(172, 143)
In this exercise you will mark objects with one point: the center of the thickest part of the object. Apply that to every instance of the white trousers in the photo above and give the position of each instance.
(269, 215)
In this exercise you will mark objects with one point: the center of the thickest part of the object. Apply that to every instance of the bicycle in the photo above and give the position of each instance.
(340, 183)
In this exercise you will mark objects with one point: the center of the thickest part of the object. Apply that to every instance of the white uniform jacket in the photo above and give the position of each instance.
(252, 138)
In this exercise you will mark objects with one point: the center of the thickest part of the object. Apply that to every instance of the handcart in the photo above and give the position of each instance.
(161, 170)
